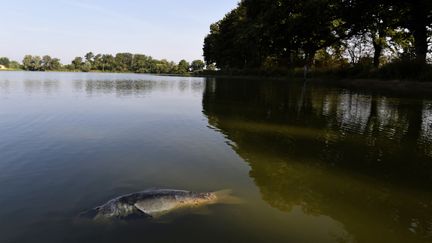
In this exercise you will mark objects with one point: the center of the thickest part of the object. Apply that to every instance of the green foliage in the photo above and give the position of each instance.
(121, 62)
(14, 65)
(89, 57)
(77, 63)
(197, 66)
(55, 64)
(5, 61)
(86, 67)
(107, 62)
(211, 67)
(32, 63)
(268, 34)
(183, 67)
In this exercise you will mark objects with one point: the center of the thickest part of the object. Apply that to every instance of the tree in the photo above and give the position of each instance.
(27, 62)
(89, 57)
(123, 62)
(86, 67)
(89, 63)
(97, 62)
(55, 64)
(4, 61)
(163, 66)
(46, 63)
(417, 17)
(197, 65)
(261, 31)
(14, 65)
(32, 63)
(77, 63)
(286, 33)
(107, 62)
(211, 67)
(141, 64)
(231, 43)
(183, 67)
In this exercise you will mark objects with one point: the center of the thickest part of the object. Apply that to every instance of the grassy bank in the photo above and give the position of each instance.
(404, 78)
(10, 69)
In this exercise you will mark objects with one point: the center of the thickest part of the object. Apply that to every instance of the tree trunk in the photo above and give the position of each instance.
(377, 53)
(310, 56)
(419, 30)
(420, 42)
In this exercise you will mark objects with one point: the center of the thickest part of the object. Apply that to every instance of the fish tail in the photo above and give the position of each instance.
(225, 197)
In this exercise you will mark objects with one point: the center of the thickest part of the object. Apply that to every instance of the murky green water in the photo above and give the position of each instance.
(311, 163)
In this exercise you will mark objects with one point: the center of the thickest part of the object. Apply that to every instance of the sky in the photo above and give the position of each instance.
(170, 29)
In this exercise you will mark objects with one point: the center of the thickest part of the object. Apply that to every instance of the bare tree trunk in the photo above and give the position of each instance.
(419, 30)
(309, 61)
(377, 53)
(420, 42)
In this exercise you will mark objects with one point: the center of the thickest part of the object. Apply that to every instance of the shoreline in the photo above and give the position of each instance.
(384, 86)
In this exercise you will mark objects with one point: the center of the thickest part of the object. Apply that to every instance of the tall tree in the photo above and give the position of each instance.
(417, 18)
(183, 67)
(31, 63)
(107, 62)
(123, 62)
(197, 65)
(89, 57)
(77, 63)
(4, 61)
(46, 63)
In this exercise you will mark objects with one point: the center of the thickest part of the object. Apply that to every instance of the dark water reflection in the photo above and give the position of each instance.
(365, 160)
(311, 163)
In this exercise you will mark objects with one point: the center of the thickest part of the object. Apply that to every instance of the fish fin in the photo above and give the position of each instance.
(136, 216)
(142, 209)
(225, 197)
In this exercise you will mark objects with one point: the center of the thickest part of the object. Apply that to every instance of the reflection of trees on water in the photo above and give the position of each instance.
(426, 134)
(122, 87)
(37, 86)
(4, 86)
(364, 160)
(138, 87)
(119, 87)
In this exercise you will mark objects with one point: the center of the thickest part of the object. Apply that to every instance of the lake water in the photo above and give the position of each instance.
(310, 163)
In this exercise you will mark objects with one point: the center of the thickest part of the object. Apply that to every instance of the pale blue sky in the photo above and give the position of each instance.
(171, 29)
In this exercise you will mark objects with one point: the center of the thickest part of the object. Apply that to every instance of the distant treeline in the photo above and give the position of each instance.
(121, 62)
(285, 34)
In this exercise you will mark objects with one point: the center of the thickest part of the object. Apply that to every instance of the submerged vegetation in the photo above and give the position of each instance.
(121, 62)
(359, 38)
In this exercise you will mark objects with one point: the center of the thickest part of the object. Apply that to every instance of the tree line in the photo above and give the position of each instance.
(121, 62)
(263, 34)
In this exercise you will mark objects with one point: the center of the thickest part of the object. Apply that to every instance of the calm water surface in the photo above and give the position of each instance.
(311, 163)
